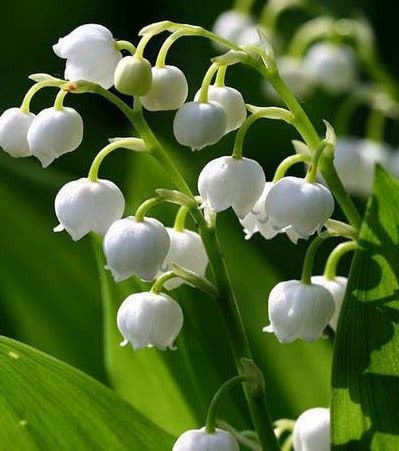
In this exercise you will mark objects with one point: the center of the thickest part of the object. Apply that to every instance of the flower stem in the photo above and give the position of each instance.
(59, 100)
(330, 270)
(210, 424)
(169, 41)
(220, 76)
(286, 164)
(180, 220)
(125, 45)
(307, 269)
(159, 282)
(25, 105)
(375, 125)
(146, 206)
(210, 73)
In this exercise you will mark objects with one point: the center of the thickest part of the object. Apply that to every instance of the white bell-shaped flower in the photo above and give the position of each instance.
(337, 288)
(232, 103)
(199, 124)
(14, 126)
(83, 206)
(149, 320)
(347, 162)
(230, 182)
(168, 91)
(133, 76)
(230, 24)
(299, 310)
(134, 247)
(186, 249)
(91, 54)
(295, 75)
(303, 206)
(332, 66)
(200, 440)
(54, 133)
(312, 430)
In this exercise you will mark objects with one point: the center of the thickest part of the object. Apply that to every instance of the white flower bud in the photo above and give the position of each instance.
(232, 103)
(303, 206)
(14, 125)
(168, 91)
(332, 66)
(91, 54)
(293, 72)
(136, 248)
(199, 124)
(299, 310)
(230, 24)
(186, 249)
(337, 288)
(54, 133)
(83, 206)
(229, 182)
(200, 440)
(133, 76)
(312, 430)
(347, 162)
(150, 320)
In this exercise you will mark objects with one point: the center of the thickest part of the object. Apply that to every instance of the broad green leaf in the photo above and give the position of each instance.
(47, 405)
(366, 365)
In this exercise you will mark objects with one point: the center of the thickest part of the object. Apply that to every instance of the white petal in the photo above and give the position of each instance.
(312, 430)
(14, 126)
(200, 440)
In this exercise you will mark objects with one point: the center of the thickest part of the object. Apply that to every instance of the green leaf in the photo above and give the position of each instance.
(47, 405)
(366, 366)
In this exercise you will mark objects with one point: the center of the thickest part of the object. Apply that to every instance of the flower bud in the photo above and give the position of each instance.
(293, 72)
(230, 182)
(83, 206)
(337, 288)
(332, 66)
(303, 206)
(168, 89)
(54, 133)
(312, 430)
(299, 310)
(14, 125)
(232, 103)
(230, 24)
(186, 249)
(133, 76)
(136, 248)
(199, 124)
(149, 320)
(91, 54)
(347, 162)
(200, 440)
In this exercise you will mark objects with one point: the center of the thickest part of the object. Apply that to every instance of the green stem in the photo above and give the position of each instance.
(125, 45)
(286, 164)
(243, 6)
(220, 76)
(330, 270)
(159, 282)
(210, 424)
(146, 206)
(307, 269)
(25, 105)
(210, 73)
(59, 100)
(180, 220)
(169, 41)
(139, 53)
(375, 125)
(265, 113)
(313, 167)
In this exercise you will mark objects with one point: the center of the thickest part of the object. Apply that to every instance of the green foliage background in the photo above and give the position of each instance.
(50, 295)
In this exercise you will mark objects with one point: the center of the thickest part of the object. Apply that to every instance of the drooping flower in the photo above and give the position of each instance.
(199, 124)
(230, 24)
(136, 248)
(149, 320)
(300, 205)
(54, 133)
(14, 126)
(186, 249)
(312, 430)
(337, 288)
(331, 66)
(133, 76)
(168, 91)
(230, 182)
(232, 103)
(200, 440)
(299, 310)
(91, 54)
(83, 206)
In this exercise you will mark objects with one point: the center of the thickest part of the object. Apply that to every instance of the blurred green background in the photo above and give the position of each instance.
(49, 291)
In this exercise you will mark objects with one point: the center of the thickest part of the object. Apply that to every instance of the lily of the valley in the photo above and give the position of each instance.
(149, 320)
(83, 206)
(312, 430)
(201, 440)
(133, 76)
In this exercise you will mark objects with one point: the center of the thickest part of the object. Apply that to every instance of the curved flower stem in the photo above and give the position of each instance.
(312, 169)
(210, 424)
(59, 100)
(287, 163)
(375, 125)
(159, 282)
(146, 206)
(330, 270)
(25, 105)
(167, 44)
(125, 45)
(220, 76)
(210, 73)
(180, 220)
(139, 52)
(307, 269)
